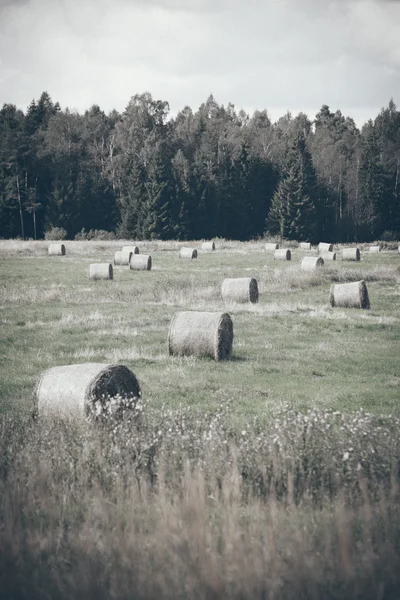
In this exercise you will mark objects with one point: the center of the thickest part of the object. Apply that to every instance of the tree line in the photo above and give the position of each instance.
(219, 172)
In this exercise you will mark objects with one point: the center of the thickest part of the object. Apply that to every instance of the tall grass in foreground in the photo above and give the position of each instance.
(178, 505)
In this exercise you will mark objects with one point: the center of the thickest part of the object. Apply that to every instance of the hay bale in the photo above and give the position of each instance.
(324, 247)
(133, 249)
(282, 254)
(210, 246)
(305, 245)
(122, 257)
(101, 271)
(185, 252)
(140, 262)
(240, 289)
(201, 334)
(311, 263)
(350, 254)
(349, 295)
(84, 390)
(271, 246)
(328, 255)
(374, 249)
(57, 250)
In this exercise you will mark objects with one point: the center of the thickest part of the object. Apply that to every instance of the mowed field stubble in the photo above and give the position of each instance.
(291, 347)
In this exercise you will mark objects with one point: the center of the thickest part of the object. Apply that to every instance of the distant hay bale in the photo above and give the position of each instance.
(240, 289)
(311, 263)
(350, 254)
(140, 262)
(185, 252)
(133, 249)
(101, 271)
(349, 295)
(328, 255)
(122, 257)
(374, 249)
(57, 250)
(208, 246)
(271, 246)
(282, 254)
(84, 390)
(325, 247)
(305, 245)
(201, 334)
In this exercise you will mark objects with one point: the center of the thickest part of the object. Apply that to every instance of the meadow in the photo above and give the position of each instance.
(271, 475)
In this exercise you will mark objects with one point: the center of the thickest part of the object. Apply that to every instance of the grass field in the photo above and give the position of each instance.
(274, 475)
(291, 347)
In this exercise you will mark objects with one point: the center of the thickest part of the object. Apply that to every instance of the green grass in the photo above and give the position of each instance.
(290, 347)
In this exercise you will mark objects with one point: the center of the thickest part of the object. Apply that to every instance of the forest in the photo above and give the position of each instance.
(216, 172)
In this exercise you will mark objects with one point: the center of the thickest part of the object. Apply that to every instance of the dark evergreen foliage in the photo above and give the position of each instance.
(213, 172)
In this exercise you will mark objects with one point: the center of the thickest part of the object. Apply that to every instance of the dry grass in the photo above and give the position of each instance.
(175, 505)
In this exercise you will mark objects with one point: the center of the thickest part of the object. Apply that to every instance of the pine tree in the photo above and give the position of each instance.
(293, 208)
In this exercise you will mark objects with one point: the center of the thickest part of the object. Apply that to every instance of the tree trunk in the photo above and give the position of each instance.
(20, 209)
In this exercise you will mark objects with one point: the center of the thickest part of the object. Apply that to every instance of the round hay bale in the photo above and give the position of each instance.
(185, 252)
(350, 254)
(240, 289)
(328, 255)
(210, 246)
(84, 390)
(133, 249)
(201, 334)
(282, 254)
(325, 247)
(122, 257)
(101, 271)
(305, 245)
(374, 249)
(57, 250)
(271, 246)
(349, 295)
(311, 263)
(140, 262)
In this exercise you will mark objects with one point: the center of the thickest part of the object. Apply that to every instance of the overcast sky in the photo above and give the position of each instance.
(276, 54)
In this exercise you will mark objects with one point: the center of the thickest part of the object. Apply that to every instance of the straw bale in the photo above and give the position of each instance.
(305, 245)
(186, 252)
(133, 249)
(311, 263)
(349, 295)
(101, 271)
(240, 289)
(57, 250)
(350, 254)
(325, 247)
(208, 246)
(122, 257)
(374, 249)
(84, 390)
(140, 262)
(328, 255)
(201, 334)
(282, 254)
(271, 246)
